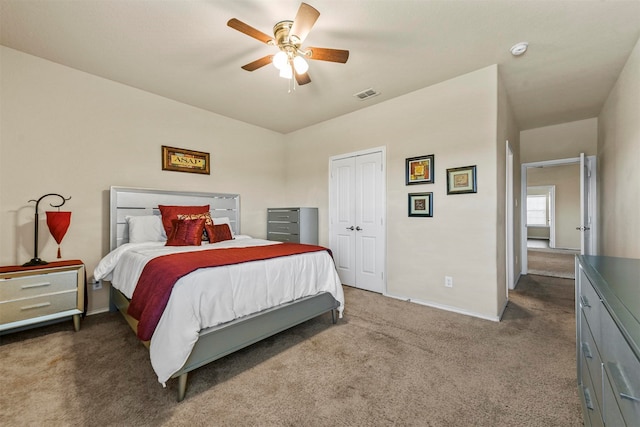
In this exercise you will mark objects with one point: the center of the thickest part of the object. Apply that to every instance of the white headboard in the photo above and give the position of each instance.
(127, 201)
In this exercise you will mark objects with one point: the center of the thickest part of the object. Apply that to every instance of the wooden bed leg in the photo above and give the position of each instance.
(334, 318)
(182, 386)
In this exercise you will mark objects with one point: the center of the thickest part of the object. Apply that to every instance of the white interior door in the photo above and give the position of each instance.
(587, 205)
(357, 209)
(342, 205)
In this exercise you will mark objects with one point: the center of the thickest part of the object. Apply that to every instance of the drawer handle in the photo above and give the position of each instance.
(584, 302)
(586, 350)
(587, 398)
(622, 384)
(29, 307)
(36, 285)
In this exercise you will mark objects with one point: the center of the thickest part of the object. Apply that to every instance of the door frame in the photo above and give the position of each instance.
(383, 151)
(588, 186)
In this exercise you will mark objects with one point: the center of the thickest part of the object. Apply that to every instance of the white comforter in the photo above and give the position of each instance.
(196, 304)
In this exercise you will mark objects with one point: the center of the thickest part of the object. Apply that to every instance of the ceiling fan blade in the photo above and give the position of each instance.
(305, 18)
(252, 66)
(249, 30)
(324, 54)
(303, 79)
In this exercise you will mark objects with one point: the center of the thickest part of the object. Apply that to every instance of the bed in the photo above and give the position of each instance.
(316, 295)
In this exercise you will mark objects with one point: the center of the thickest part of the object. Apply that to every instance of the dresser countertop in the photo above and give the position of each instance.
(618, 282)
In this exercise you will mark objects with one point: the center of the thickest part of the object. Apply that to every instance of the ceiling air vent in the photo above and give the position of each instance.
(366, 94)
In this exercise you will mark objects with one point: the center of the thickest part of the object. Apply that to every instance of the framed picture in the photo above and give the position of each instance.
(420, 170)
(461, 180)
(182, 160)
(421, 204)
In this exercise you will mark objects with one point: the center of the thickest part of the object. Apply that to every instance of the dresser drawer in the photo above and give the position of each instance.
(283, 227)
(623, 369)
(283, 215)
(12, 311)
(592, 415)
(283, 237)
(592, 359)
(31, 286)
(591, 306)
(610, 411)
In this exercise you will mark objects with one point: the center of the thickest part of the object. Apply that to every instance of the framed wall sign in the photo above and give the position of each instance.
(421, 204)
(461, 180)
(183, 160)
(419, 170)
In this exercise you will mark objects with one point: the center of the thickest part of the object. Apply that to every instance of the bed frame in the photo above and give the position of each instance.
(219, 341)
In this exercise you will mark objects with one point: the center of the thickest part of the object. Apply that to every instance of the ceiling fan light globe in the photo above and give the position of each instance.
(280, 60)
(300, 65)
(286, 72)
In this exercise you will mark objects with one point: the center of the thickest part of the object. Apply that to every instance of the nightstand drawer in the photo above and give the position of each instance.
(12, 311)
(283, 237)
(31, 286)
(283, 215)
(283, 227)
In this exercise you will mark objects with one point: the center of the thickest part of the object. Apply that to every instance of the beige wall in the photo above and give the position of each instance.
(68, 132)
(462, 237)
(563, 141)
(566, 179)
(618, 164)
(83, 134)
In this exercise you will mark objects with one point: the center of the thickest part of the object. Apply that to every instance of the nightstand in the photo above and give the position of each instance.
(297, 225)
(41, 294)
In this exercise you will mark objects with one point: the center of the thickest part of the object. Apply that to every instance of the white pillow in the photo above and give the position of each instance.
(224, 220)
(146, 228)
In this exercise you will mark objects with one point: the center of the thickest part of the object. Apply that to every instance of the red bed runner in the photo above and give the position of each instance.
(160, 274)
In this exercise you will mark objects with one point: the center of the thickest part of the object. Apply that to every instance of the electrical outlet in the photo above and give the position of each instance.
(448, 281)
(97, 285)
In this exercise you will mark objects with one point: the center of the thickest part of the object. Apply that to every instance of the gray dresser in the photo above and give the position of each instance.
(297, 225)
(608, 339)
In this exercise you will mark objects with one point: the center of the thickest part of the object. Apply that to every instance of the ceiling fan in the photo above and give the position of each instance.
(288, 37)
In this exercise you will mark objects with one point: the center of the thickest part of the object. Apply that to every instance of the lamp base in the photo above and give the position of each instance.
(35, 261)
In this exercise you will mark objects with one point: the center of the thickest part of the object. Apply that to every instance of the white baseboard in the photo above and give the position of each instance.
(445, 307)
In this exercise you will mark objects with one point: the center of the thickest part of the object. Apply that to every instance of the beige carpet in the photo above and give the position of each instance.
(387, 363)
(552, 263)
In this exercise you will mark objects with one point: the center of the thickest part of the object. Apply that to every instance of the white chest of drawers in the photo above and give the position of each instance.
(42, 294)
(608, 339)
(296, 225)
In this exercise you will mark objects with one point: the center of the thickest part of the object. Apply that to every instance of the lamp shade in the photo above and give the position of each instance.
(58, 223)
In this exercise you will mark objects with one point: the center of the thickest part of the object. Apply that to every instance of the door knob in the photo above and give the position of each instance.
(583, 228)
(358, 228)
(350, 228)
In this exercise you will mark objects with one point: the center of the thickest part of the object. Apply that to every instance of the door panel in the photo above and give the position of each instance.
(357, 220)
(342, 238)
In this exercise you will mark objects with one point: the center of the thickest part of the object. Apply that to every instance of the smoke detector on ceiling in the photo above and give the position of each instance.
(519, 48)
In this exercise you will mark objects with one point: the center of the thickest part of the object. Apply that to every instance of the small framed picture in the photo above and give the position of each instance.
(420, 170)
(461, 180)
(183, 160)
(421, 204)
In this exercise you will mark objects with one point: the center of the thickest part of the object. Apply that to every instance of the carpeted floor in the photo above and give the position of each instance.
(554, 263)
(387, 363)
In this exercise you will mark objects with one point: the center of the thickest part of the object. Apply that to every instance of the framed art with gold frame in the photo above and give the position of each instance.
(183, 160)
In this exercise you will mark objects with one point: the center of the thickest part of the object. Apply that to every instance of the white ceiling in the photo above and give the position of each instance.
(183, 50)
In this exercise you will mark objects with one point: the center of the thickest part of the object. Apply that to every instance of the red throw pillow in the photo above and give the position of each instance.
(186, 232)
(208, 224)
(170, 213)
(221, 232)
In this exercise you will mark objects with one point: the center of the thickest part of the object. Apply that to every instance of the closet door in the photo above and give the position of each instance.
(357, 220)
